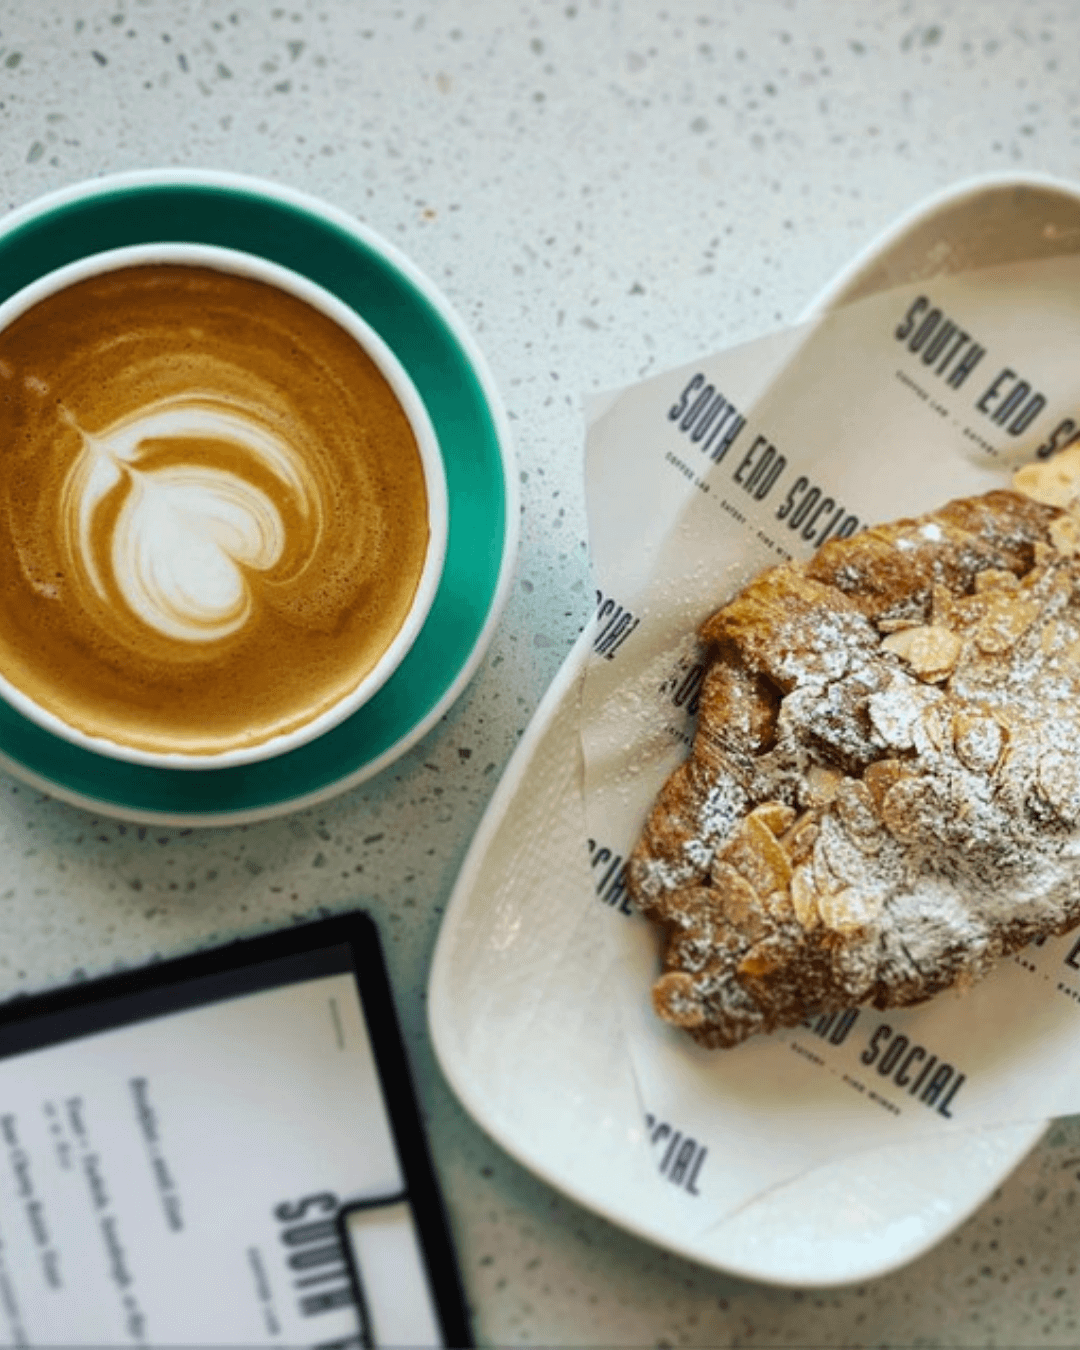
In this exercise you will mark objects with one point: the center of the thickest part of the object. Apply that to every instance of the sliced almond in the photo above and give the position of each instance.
(901, 808)
(979, 741)
(1058, 778)
(880, 776)
(856, 807)
(760, 960)
(776, 816)
(799, 840)
(996, 579)
(822, 785)
(931, 732)
(676, 1000)
(1055, 482)
(755, 853)
(779, 907)
(895, 710)
(804, 897)
(1065, 535)
(930, 651)
(738, 902)
(942, 606)
(1005, 622)
(848, 911)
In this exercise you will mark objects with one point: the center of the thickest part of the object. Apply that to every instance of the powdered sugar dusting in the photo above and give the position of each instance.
(910, 698)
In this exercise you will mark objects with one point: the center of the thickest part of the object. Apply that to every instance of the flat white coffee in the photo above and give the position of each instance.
(213, 509)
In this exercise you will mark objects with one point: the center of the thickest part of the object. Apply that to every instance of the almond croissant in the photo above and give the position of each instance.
(883, 795)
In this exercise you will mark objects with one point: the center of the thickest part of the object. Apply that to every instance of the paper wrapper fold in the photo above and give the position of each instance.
(698, 479)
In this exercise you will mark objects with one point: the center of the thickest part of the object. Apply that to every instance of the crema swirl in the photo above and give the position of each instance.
(213, 512)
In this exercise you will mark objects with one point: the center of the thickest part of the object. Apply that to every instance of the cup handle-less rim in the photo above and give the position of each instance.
(238, 263)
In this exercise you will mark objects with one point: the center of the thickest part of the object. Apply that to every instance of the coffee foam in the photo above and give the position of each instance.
(213, 514)
(180, 545)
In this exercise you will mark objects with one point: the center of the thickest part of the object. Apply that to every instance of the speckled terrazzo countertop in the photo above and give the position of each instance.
(602, 189)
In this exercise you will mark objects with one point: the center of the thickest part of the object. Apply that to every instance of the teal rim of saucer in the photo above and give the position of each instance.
(356, 267)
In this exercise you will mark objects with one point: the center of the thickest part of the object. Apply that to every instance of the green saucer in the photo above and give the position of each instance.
(430, 342)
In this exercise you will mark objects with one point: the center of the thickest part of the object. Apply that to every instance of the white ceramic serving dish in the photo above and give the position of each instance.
(556, 1089)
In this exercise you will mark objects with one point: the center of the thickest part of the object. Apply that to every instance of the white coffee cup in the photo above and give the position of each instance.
(205, 519)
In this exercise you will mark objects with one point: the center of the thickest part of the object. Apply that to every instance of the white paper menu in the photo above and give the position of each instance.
(178, 1180)
(696, 480)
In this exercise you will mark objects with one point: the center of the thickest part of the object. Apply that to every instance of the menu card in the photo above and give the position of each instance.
(221, 1150)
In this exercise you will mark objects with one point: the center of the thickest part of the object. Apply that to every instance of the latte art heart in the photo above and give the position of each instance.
(213, 509)
(185, 535)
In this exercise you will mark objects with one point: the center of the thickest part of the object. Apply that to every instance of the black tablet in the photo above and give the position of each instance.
(221, 1150)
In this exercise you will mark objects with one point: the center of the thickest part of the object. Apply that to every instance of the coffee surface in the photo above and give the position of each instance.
(213, 513)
